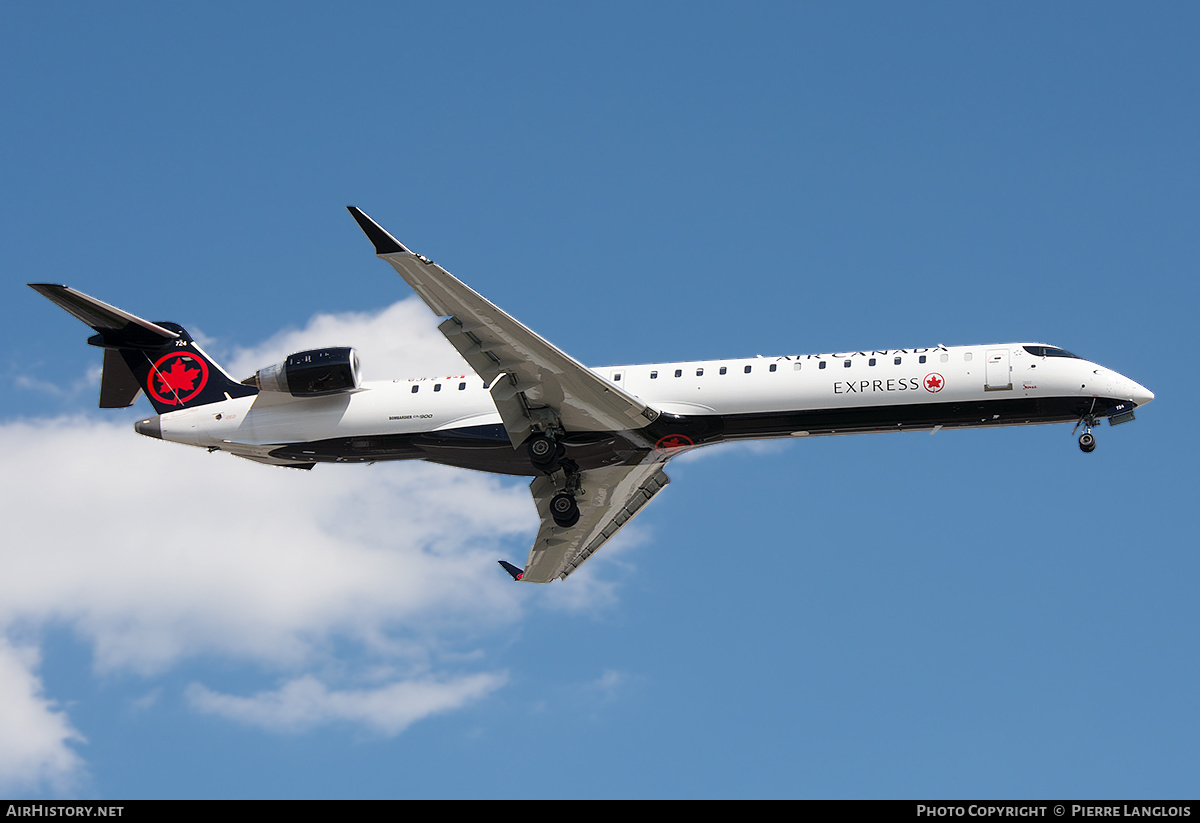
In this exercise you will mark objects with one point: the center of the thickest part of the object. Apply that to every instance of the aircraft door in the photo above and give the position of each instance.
(998, 375)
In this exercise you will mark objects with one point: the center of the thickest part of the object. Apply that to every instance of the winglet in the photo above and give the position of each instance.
(516, 573)
(384, 242)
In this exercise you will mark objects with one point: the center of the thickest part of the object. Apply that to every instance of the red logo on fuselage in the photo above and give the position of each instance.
(934, 382)
(176, 378)
(673, 444)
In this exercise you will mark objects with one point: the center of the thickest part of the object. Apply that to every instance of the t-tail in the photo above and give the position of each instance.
(160, 359)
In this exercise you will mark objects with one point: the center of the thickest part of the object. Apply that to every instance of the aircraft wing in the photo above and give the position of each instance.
(611, 497)
(541, 382)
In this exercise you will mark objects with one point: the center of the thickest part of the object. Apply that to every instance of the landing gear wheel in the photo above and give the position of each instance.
(564, 510)
(543, 452)
(1087, 440)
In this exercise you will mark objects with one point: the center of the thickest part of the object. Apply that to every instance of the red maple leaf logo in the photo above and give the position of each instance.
(179, 378)
(178, 382)
(673, 442)
(934, 382)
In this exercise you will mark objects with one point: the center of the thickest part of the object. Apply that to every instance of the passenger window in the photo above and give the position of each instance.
(462, 386)
(871, 362)
(896, 361)
(415, 389)
(921, 359)
(772, 367)
(846, 364)
(699, 372)
(653, 375)
(822, 365)
(437, 386)
(796, 366)
(679, 372)
(747, 370)
(967, 356)
(723, 370)
(617, 377)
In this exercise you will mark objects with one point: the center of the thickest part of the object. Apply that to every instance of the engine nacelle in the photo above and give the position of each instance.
(313, 373)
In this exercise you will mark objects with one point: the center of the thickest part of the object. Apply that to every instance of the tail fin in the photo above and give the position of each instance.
(160, 359)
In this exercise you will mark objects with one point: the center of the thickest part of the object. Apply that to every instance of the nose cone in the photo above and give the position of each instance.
(1127, 389)
(1141, 394)
(151, 427)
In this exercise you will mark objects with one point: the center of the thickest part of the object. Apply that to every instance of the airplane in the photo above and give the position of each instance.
(595, 441)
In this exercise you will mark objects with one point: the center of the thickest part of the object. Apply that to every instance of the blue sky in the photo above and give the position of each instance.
(973, 614)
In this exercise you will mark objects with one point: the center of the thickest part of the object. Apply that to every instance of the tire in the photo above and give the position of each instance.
(542, 451)
(1087, 442)
(564, 510)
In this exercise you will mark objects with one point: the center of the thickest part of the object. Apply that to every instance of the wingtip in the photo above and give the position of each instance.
(384, 243)
(515, 572)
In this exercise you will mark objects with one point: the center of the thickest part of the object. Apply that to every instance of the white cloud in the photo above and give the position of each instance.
(157, 553)
(610, 682)
(399, 341)
(586, 591)
(755, 448)
(35, 737)
(77, 388)
(305, 703)
(146, 701)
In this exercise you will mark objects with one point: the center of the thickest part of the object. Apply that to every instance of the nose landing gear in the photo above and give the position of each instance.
(1087, 440)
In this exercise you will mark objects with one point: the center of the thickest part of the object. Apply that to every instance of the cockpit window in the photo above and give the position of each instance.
(1050, 351)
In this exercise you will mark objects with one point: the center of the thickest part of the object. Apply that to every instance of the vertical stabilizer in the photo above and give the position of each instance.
(160, 359)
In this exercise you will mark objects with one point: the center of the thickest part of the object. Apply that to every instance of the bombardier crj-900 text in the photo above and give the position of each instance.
(594, 440)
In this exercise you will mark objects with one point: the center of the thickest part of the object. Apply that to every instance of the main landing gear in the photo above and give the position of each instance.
(564, 509)
(549, 456)
(544, 452)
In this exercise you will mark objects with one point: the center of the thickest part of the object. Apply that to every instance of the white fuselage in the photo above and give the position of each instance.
(956, 386)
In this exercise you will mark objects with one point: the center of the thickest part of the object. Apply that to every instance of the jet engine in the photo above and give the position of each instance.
(314, 373)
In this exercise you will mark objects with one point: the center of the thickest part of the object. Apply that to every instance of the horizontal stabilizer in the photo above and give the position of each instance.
(161, 360)
(515, 571)
(116, 327)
